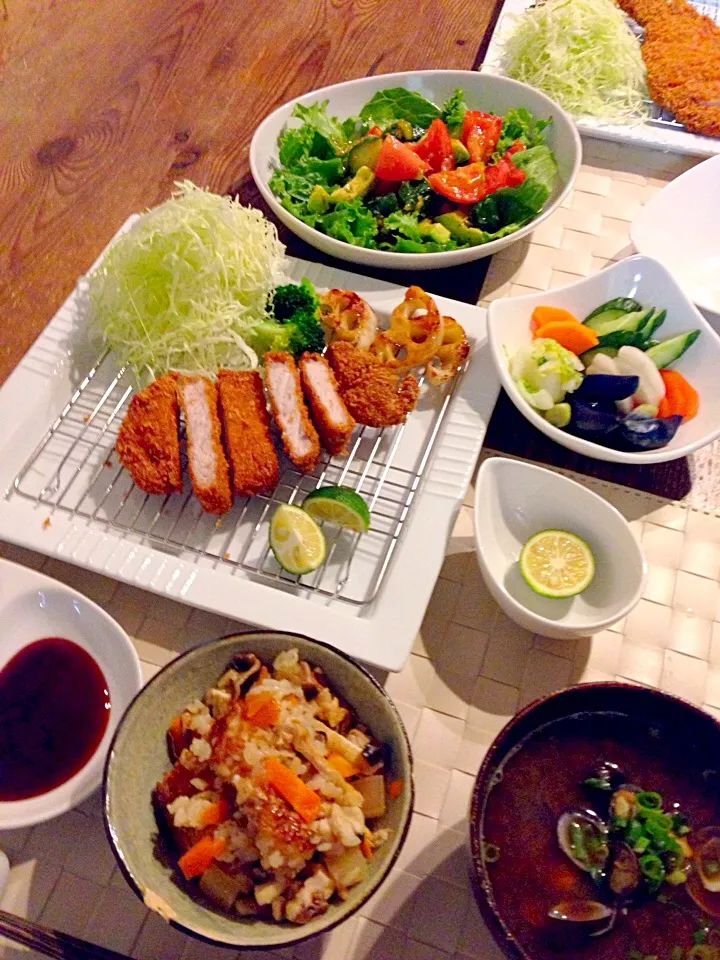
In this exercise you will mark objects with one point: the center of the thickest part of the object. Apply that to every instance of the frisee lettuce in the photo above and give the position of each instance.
(187, 286)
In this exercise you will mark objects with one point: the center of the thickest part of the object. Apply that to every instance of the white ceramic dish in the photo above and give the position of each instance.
(33, 606)
(380, 632)
(668, 137)
(483, 92)
(650, 283)
(514, 500)
(680, 227)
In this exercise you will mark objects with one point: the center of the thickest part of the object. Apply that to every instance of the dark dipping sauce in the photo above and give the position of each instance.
(54, 709)
(540, 781)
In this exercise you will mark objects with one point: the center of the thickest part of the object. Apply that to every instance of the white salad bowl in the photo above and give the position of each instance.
(679, 226)
(483, 92)
(650, 283)
(33, 607)
(513, 501)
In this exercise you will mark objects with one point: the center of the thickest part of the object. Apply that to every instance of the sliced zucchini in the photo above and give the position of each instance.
(364, 153)
(610, 322)
(668, 351)
(618, 306)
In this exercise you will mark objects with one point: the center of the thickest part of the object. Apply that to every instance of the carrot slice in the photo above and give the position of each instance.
(291, 788)
(343, 766)
(366, 847)
(262, 709)
(394, 789)
(543, 314)
(198, 858)
(680, 397)
(214, 814)
(176, 733)
(571, 334)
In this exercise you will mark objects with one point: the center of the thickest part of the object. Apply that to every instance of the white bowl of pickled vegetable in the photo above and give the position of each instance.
(416, 170)
(636, 381)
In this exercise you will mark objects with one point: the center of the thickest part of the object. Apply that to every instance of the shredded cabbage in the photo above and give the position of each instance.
(583, 54)
(185, 287)
(544, 371)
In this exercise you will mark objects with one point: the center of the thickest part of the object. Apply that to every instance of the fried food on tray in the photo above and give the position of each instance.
(276, 791)
(682, 57)
(147, 442)
(349, 317)
(414, 334)
(299, 437)
(206, 458)
(449, 355)
(370, 389)
(246, 429)
(328, 411)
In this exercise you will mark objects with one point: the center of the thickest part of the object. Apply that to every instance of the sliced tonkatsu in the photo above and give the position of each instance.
(207, 464)
(246, 426)
(328, 410)
(299, 437)
(147, 443)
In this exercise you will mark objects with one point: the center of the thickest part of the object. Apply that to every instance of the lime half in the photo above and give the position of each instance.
(296, 540)
(339, 505)
(557, 564)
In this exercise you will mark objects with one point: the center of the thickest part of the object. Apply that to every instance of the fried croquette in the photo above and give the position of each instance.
(206, 458)
(329, 413)
(246, 429)
(370, 390)
(299, 437)
(147, 443)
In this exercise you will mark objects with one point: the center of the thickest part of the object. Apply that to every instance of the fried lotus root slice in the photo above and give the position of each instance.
(349, 317)
(449, 355)
(414, 335)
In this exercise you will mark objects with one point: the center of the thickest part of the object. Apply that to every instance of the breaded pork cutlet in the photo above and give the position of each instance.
(329, 413)
(206, 458)
(246, 427)
(299, 437)
(147, 443)
(371, 390)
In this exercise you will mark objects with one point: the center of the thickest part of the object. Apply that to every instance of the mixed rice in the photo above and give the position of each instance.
(273, 791)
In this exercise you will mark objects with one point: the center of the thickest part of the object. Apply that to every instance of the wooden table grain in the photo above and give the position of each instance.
(105, 103)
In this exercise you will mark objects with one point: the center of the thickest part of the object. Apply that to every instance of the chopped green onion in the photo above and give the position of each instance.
(633, 832)
(596, 782)
(653, 870)
(641, 844)
(649, 799)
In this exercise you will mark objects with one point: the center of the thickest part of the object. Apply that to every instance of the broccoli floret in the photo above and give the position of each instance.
(291, 297)
(306, 333)
(269, 335)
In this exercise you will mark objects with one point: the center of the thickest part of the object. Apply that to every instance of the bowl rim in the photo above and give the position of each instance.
(568, 625)
(569, 441)
(57, 805)
(672, 190)
(488, 910)
(392, 258)
(113, 839)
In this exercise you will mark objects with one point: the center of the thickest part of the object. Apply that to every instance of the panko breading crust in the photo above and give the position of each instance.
(246, 425)
(147, 442)
(370, 390)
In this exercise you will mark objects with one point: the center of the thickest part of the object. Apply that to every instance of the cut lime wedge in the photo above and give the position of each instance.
(339, 505)
(557, 564)
(296, 540)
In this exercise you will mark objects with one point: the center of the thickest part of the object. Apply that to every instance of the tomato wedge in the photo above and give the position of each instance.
(374, 131)
(471, 183)
(435, 147)
(480, 133)
(396, 161)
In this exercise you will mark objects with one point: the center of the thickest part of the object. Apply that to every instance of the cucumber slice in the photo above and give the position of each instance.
(636, 320)
(589, 355)
(622, 338)
(656, 320)
(668, 351)
(618, 307)
(364, 153)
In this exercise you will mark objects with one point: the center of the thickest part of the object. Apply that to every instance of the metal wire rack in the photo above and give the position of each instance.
(74, 470)
(660, 117)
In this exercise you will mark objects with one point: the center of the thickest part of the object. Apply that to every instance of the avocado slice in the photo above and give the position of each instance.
(434, 231)
(460, 151)
(357, 187)
(461, 230)
(319, 200)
